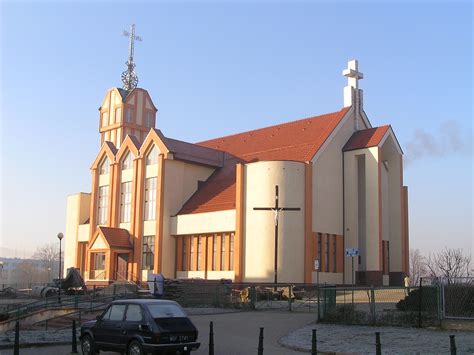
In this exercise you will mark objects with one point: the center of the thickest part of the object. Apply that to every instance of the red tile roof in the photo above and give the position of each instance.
(366, 138)
(116, 237)
(298, 140)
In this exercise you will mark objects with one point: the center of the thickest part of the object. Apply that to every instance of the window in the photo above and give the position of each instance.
(199, 266)
(223, 252)
(319, 251)
(104, 166)
(150, 199)
(127, 162)
(148, 252)
(134, 313)
(126, 202)
(117, 311)
(118, 114)
(149, 119)
(152, 157)
(128, 115)
(99, 261)
(105, 119)
(106, 315)
(334, 263)
(214, 252)
(231, 251)
(184, 261)
(165, 311)
(191, 253)
(326, 253)
(102, 206)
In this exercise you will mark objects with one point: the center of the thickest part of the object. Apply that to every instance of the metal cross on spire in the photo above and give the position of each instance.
(276, 209)
(129, 77)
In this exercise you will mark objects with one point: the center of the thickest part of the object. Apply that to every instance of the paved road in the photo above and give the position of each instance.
(234, 333)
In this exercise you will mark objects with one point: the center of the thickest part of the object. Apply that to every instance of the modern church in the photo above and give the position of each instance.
(279, 203)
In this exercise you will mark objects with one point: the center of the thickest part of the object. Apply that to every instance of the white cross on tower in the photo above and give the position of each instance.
(353, 74)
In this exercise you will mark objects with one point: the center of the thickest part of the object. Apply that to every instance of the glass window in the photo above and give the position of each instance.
(223, 252)
(102, 205)
(99, 261)
(319, 251)
(165, 311)
(149, 119)
(128, 115)
(104, 166)
(199, 266)
(148, 252)
(214, 252)
(150, 199)
(231, 252)
(107, 313)
(334, 253)
(152, 157)
(326, 252)
(134, 313)
(191, 253)
(117, 312)
(184, 261)
(127, 162)
(126, 202)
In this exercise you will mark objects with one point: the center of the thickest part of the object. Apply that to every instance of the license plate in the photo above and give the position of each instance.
(180, 338)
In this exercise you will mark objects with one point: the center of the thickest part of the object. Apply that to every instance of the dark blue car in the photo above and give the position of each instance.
(137, 327)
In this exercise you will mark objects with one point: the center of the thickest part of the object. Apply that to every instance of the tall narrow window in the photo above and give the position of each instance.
(184, 260)
(104, 166)
(214, 252)
(152, 157)
(103, 205)
(320, 253)
(191, 253)
(148, 252)
(223, 252)
(334, 253)
(199, 255)
(128, 115)
(127, 162)
(148, 119)
(150, 199)
(231, 252)
(126, 202)
(326, 252)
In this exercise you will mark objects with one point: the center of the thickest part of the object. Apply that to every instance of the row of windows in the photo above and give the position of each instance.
(127, 161)
(214, 252)
(129, 117)
(385, 257)
(329, 251)
(126, 202)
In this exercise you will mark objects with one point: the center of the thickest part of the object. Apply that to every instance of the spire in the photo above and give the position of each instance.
(129, 77)
(353, 96)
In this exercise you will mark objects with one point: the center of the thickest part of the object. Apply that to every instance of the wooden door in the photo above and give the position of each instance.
(122, 266)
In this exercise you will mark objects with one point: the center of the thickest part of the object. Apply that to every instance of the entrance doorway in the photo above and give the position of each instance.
(122, 266)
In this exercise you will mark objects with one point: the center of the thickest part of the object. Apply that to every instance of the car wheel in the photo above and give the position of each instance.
(87, 346)
(135, 348)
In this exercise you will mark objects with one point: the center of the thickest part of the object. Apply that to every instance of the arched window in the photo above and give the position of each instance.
(152, 157)
(127, 161)
(104, 166)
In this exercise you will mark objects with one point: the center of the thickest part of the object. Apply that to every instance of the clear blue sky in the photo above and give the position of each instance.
(218, 68)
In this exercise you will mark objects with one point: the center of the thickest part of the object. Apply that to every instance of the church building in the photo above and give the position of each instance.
(271, 204)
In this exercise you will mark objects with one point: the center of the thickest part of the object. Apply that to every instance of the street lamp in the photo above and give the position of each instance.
(60, 237)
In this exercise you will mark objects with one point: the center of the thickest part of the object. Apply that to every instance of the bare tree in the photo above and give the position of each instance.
(417, 266)
(48, 255)
(450, 264)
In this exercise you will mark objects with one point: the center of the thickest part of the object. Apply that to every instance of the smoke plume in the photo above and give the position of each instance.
(450, 139)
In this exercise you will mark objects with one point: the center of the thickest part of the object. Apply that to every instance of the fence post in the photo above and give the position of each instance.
(290, 291)
(253, 297)
(314, 345)
(260, 342)
(420, 302)
(211, 338)
(378, 346)
(16, 346)
(452, 342)
(74, 340)
(372, 304)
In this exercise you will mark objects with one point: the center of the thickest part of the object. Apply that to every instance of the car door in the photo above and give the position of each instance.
(135, 323)
(98, 330)
(113, 328)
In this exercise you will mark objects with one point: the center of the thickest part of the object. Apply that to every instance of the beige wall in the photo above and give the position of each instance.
(328, 278)
(370, 249)
(260, 180)
(181, 181)
(208, 222)
(78, 209)
(211, 275)
(328, 181)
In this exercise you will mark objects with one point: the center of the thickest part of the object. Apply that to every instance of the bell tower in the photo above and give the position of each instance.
(128, 110)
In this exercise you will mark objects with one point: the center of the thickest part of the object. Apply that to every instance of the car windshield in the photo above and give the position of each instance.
(165, 311)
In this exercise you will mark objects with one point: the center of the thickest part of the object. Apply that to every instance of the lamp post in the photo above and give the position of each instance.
(60, 237)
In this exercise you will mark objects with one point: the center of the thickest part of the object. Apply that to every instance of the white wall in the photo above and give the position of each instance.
(207, 222)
